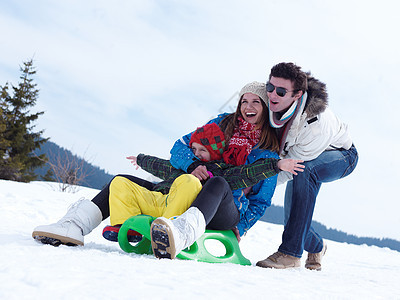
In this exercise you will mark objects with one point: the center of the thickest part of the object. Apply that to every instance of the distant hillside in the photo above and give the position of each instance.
(94, 176)
(274, 214)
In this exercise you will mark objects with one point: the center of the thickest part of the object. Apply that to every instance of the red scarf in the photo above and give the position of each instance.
(244, 138)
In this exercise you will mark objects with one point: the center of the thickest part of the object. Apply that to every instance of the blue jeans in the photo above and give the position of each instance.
(301, 194)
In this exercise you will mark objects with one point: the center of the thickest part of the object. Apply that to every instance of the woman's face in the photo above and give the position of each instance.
(251, 108)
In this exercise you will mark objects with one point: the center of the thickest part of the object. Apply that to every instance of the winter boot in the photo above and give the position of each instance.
(111, 233)
(169, 237)
(313, 261)
(279, 260)
(81, 218)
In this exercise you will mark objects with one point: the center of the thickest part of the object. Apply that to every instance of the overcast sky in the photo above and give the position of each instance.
(125, 77)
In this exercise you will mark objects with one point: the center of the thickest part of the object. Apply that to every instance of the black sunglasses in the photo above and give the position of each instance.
(280, 91)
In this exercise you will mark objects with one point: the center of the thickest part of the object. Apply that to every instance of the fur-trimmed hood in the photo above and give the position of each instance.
(317, 97)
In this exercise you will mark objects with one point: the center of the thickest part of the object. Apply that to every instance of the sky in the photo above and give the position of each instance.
(127, 77)
(101, 270)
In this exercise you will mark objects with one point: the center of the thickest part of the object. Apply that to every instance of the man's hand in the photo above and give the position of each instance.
(201, 173)
(133, 160)
(291, 165)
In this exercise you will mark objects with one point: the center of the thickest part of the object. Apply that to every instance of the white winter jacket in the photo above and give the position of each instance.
(315, 130)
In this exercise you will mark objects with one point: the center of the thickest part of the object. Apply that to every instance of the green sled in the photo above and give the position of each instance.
(197, 251)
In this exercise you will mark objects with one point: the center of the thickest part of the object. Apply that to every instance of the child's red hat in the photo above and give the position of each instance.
(211, 137)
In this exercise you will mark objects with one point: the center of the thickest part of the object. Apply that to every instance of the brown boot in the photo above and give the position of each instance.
(313, 261)
(278, 260)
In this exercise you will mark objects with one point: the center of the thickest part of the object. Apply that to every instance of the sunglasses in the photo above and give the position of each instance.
(280, 91)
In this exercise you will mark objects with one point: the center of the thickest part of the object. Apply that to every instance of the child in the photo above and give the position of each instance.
(171, 197)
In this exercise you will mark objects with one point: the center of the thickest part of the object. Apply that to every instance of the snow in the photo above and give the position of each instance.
(101, 270)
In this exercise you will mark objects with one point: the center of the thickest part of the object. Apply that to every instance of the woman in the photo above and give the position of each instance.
(249, 138)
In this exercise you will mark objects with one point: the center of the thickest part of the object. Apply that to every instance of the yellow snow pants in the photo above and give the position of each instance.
(129, 199)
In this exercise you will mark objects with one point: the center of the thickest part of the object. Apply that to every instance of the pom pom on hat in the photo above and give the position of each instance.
(211, 137)
(256, 88)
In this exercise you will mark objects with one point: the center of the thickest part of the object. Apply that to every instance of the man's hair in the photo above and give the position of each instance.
(293, 73)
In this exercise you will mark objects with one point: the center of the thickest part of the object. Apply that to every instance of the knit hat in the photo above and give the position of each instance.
(256, 88)
(211, 137)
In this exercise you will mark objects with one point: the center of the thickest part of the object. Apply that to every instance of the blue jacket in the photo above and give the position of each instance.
(251, 206)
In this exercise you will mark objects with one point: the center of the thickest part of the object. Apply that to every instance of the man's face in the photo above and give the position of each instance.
(278, 103)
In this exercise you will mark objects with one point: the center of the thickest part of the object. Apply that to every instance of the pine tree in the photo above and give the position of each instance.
(17, 160)
(4, 143)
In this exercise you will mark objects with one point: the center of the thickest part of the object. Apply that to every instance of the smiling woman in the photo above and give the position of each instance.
(251, 110)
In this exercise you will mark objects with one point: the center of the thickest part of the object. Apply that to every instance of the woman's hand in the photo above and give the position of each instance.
(201, 173)
(133, 160)
(291, 165)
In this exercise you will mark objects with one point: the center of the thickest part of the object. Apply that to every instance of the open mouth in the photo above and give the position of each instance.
(250, 114)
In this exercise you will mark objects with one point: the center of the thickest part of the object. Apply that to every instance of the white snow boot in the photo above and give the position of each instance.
(169, 237)
(81, 218)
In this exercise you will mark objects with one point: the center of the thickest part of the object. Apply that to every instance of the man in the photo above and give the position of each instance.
(307, 130)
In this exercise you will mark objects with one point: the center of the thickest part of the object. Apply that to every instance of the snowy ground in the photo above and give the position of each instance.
(101, 270)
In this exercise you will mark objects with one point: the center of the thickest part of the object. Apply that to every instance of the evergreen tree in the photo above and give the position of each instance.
(18, 139)
(4, 144)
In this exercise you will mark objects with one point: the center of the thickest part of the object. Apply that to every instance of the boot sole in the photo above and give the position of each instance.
(273, 265)
(55, 239)
(162, 240)
(313, 268)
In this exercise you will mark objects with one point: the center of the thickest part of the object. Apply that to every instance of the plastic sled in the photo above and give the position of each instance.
(197, 251)
(141, 224)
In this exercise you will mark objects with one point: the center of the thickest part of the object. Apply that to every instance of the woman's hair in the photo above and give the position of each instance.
(268, 139)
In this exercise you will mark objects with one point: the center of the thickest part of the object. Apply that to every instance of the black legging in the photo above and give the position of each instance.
(215, 201)
(102, 198)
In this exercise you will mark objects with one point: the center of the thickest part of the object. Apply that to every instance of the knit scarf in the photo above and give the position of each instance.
(244, 138)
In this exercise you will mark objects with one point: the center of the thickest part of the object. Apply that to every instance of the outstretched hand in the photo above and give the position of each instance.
(291, 165)
(133, 160)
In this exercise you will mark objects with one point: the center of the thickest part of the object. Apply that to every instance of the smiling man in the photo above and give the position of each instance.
(308, 130)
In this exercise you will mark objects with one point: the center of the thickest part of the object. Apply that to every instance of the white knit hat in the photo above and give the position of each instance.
(256, 88)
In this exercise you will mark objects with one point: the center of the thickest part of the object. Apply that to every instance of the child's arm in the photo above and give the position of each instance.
(133, 160)
(248, 175)
(237, 176)
(243, 176)
(159, 167)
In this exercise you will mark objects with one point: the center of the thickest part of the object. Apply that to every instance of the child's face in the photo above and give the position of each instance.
(201, 152)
